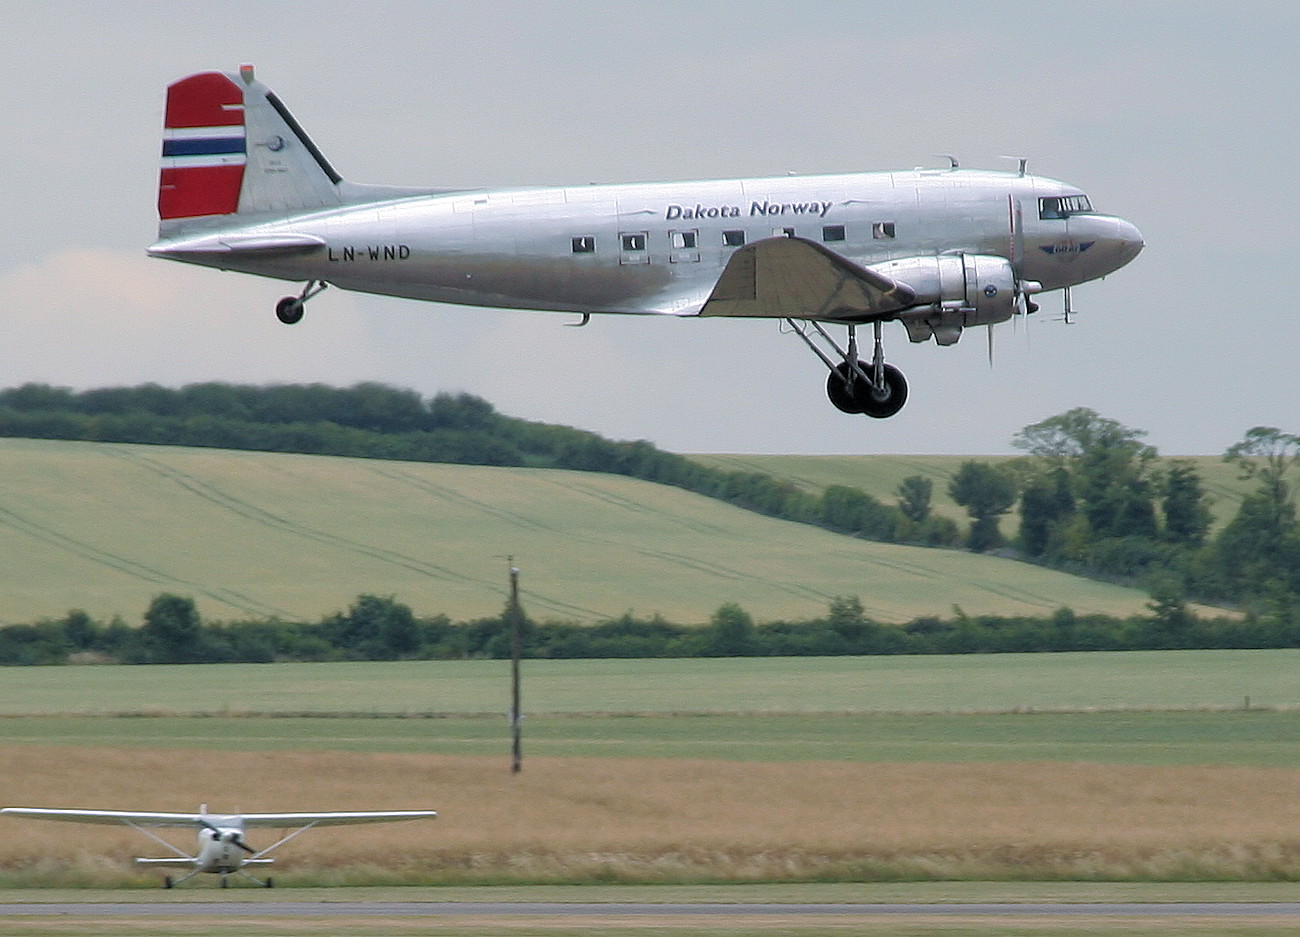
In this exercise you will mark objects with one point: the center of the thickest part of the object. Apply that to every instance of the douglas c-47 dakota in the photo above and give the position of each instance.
(243, 188)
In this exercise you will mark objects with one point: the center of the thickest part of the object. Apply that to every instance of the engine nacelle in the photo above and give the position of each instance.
(954, 291)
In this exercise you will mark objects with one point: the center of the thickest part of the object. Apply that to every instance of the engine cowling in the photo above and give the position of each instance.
(954, 291)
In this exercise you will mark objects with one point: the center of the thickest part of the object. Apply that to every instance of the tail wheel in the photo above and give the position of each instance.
(289, 310)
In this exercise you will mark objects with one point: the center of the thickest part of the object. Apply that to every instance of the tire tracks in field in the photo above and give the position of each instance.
(1015, 593)
(214, 495)
(129, 567)
(681, 560)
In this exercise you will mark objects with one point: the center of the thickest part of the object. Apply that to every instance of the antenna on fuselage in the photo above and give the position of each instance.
(952, 160)
(1022, 160)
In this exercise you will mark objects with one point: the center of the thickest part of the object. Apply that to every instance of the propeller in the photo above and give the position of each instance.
(228, 836)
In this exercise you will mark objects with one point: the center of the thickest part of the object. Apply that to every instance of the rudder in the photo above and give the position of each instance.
(230, 147)
(204, 150)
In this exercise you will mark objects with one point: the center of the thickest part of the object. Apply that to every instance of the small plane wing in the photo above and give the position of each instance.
(793, 278)
(104, 816)
(334, 819)
(133, 818)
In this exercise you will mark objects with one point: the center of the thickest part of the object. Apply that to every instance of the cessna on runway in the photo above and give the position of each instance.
(244, 188)
(222, 849)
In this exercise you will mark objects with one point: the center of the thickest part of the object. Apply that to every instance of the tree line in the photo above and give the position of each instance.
(1093, 498)
(382, 628)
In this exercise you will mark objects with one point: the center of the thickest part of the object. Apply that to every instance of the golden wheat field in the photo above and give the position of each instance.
(648, 820)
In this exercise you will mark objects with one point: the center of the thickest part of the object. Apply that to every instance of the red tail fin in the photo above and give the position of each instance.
(204, 147)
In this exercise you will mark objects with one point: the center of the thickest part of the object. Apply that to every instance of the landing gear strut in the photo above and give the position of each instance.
(855, 386)
(290, 309)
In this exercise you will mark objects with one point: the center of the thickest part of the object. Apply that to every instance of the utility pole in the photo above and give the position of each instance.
(516, 716)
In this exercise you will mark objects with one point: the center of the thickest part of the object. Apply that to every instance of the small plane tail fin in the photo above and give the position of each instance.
(230, 147)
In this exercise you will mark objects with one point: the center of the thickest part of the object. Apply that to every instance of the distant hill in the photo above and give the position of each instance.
(103, 527)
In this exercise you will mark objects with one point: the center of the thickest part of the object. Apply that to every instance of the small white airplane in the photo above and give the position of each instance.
(243, 188)
(221, 847)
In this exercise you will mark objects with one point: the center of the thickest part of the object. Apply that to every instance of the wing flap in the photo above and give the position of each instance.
(793, 278)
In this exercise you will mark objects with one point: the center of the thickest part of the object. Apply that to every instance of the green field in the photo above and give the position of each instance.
(105, 527)
(1137, 680)
(1156, 707)
(1258, 738)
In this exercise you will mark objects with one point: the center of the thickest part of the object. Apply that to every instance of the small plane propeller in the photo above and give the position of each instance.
(228, 836)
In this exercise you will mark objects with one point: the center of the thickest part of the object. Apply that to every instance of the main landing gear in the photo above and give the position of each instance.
(290, 309)
(855, 386)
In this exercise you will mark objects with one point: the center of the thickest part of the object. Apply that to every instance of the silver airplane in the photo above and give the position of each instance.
(244, 188)
(222, 849)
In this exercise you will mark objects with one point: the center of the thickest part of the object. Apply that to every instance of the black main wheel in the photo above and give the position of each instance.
(289, 310)
(882, 402)
(846, 396)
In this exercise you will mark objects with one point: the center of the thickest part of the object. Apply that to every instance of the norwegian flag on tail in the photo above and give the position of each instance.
(204, 147)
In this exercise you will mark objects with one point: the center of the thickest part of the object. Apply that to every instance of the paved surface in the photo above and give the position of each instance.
(557, 909)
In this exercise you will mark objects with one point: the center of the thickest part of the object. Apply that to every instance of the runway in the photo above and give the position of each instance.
(275, 909)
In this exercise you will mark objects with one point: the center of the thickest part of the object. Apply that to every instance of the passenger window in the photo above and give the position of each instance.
(882, 229)
(733, 238)
(634, 241)
(684, 240)
(586, 244)
(783, 232)
(833, 232)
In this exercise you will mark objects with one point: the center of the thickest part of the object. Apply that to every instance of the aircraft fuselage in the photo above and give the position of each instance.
(658, 248)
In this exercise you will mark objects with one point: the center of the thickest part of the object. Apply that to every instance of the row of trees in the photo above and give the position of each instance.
(1093, 498)
(381, 628)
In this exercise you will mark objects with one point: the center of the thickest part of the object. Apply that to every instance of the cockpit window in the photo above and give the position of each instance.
(1062, 206)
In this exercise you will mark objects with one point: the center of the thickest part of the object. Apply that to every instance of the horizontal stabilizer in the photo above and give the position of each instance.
(792, 278)
(265, 244)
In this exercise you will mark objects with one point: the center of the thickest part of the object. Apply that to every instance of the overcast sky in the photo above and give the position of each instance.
(1181, 118)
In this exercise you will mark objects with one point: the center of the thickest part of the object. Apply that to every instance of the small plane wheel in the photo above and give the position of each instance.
(885, 402)
(270, 883)
(838, 390)
(289, 310)
(224, 883)
(167, 881)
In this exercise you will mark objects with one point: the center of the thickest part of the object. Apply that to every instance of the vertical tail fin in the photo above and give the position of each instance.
(204, 150)
(231, 148)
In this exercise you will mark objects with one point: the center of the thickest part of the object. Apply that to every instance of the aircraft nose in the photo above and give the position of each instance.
(1128, 240)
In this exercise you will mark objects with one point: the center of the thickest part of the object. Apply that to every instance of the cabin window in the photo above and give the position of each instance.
(586, 244)
(684, 240)
(634, 241)
(733, 238)
(783, 232)
(882, 230)
(833, 232)
(1056, 207)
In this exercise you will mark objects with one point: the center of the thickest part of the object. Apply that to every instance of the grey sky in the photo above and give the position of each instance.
(1181, 119)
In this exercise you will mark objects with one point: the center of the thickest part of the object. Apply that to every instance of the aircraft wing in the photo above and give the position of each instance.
(793, 278)
(132, 818)
(334, 819)
(104, 816)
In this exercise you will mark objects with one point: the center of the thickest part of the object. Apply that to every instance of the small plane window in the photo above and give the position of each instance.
(833, 232)
(783, 232)
(733, 238)
(882, 229)
(684, 240)
(634, 242)
(584, 245)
